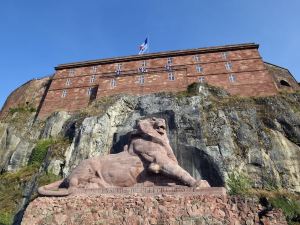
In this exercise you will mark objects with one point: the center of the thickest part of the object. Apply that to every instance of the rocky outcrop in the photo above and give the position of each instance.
(210, 132)
(18, 135)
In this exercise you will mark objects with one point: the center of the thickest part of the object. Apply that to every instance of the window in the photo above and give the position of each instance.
(93, 78)
(199, 69)
(94, 69)
(113, 83)
(171, 76)
(228, 66)
(224, 55)
(144, 63)
(64, 94)
(141, 79)
(168, 67)
(71, 72)
(232, 78)
(284, 83)
(118, 68)
(142, 70)
(201, 79)
(68, 82)
(89, 92)
(169, 61)
(196, 58)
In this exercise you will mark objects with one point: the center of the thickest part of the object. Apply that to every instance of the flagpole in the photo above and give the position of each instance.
(148, 45)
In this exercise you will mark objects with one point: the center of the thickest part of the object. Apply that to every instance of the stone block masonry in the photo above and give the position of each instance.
(157, 209)
(239, 69)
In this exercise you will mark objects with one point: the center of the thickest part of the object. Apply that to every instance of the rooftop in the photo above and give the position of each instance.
(158, 54)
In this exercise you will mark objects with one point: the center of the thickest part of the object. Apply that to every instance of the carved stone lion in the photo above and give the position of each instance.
(148, 151)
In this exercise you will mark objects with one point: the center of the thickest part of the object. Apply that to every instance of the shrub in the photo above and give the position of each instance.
(238, 183)
(5, 218)
(290, 208)
(11, 189)
(58, 147)
(22, 109)
(40, 151)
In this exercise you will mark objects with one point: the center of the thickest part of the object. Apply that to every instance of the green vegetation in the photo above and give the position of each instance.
(12, 184)
(22, 109)
(5, 218)
(290, 208)
(39, 152)
(11, 188)
(19, 116)
(57, 149)
(238, 183)
(288, 202)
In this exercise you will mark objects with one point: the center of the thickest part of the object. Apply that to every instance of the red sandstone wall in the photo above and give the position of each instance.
(251, 78)
(29, 93)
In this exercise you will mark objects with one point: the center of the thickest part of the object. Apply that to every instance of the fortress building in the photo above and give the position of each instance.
(239, 69)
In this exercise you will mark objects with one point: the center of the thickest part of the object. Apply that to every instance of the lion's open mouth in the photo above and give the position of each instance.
(161, 129)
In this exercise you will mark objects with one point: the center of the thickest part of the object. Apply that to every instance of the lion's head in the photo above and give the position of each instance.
(155, 127)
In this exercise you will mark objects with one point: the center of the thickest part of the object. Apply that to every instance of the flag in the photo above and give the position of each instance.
(143, 47)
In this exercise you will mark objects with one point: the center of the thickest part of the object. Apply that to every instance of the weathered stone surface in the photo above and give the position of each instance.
(157, 209)
(95, 135)
(17, 140)
(54, 124)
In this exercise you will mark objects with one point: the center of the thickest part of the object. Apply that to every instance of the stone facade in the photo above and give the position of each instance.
(177, 209)
(239, 69)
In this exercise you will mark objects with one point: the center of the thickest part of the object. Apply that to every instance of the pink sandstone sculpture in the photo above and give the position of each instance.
(148, 154)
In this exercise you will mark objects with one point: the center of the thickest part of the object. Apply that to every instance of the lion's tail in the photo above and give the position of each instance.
(53, 189)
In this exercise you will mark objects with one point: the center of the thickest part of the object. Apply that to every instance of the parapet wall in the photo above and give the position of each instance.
(138, 209)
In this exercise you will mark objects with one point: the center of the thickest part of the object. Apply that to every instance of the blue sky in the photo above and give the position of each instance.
(37, 35)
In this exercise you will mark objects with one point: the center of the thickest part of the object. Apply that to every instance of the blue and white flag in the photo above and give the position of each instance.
(143, 47)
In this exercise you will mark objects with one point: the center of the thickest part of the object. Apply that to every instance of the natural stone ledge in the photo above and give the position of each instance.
(151, 209)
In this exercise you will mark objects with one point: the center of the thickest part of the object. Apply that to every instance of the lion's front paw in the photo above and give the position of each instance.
(154, 167)
(201, 184)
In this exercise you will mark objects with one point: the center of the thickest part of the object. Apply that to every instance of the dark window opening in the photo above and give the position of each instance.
(284, 83)
(93, 93)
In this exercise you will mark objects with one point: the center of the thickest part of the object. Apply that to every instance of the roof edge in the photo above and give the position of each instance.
(277, 66)
(158, 54)
(282, 68)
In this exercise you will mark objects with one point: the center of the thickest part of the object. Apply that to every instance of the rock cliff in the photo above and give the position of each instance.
(211, 133)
